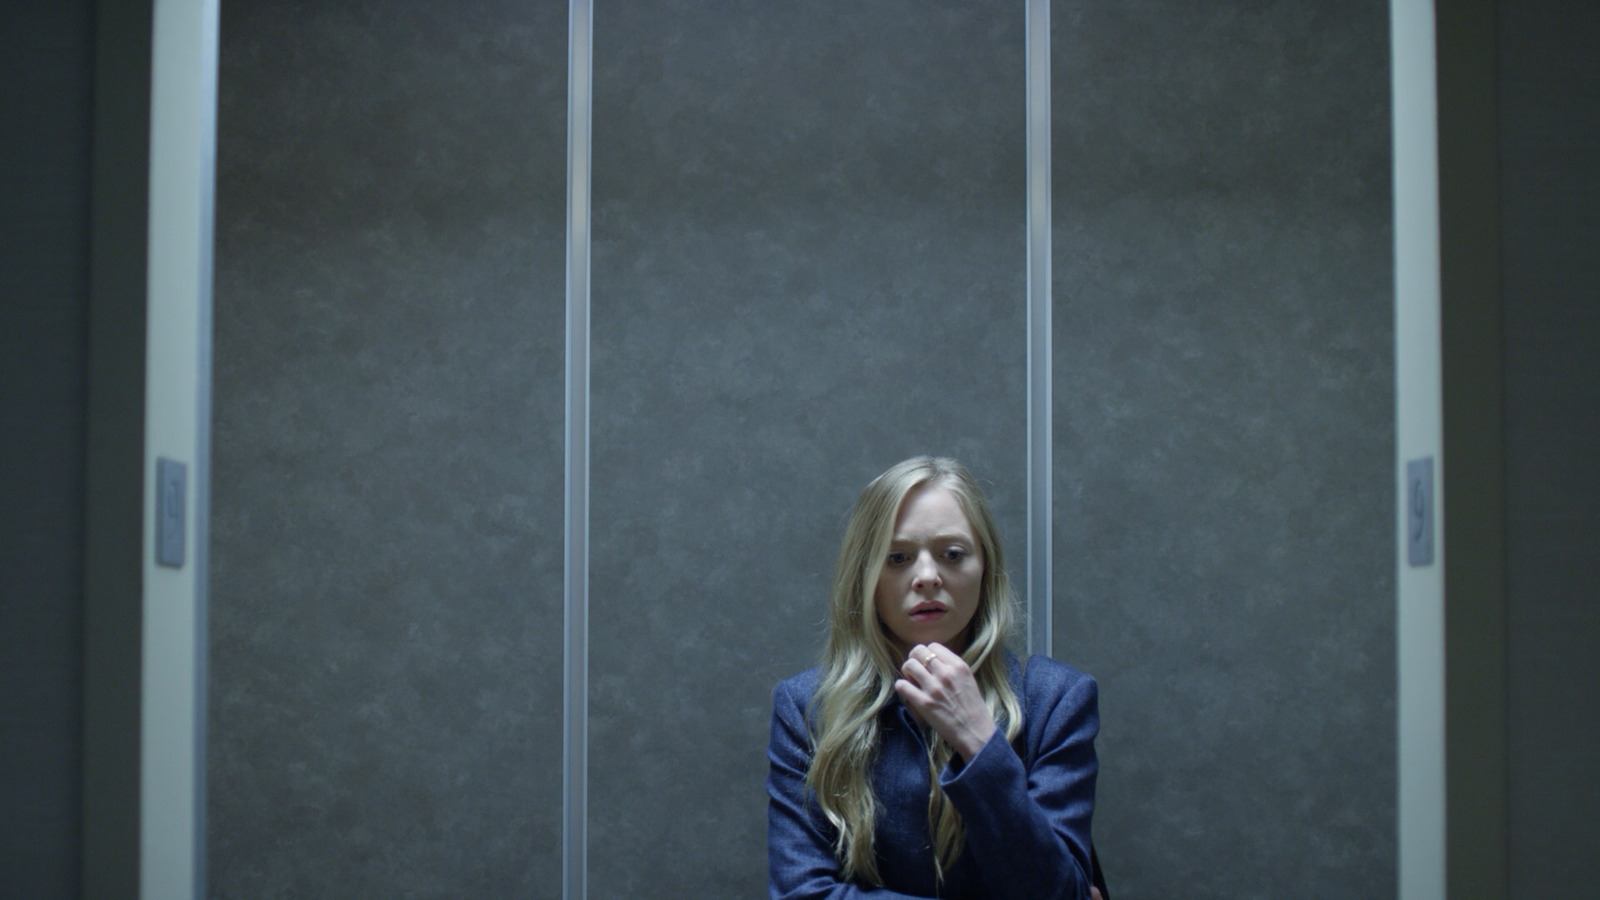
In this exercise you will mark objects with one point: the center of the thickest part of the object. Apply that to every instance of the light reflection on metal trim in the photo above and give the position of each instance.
(575, 588)
(209, 77)
(1039, 345)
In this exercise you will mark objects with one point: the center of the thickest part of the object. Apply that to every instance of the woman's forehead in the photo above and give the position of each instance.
(929, 511)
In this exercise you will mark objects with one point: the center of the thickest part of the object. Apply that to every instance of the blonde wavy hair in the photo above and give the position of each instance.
(860, 665)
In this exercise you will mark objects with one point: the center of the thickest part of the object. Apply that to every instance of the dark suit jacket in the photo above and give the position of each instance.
(1026, 806)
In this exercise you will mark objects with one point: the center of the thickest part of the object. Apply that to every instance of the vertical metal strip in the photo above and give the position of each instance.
(209, 53)
(172, 659)
(575, 716)
(1039, 402)
(1422, 754)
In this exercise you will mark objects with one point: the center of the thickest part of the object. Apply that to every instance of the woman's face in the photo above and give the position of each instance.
(928, 589)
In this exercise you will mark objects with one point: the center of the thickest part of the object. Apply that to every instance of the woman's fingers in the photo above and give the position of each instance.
(938, 672)
(916, 661)
(940, 689)
(929, 657)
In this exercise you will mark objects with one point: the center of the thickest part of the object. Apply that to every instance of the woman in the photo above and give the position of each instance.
(921, 759)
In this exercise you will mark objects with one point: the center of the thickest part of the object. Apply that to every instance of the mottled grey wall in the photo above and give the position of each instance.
(1225, 438)
(385, 647)
(46, 54)
(1549, 100)
(809, 260)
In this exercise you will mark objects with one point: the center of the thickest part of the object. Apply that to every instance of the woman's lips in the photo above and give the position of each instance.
(927, 612)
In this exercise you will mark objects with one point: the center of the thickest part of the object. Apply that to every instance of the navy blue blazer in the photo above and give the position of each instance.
(1027, 805)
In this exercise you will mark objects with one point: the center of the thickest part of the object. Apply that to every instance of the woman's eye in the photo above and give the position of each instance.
(955, 554)
(897, 559)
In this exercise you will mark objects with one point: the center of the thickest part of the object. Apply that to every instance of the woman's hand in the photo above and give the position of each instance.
(940, 689)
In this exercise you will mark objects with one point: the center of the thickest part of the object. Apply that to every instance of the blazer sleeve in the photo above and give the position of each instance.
(1028, 821)
(800, 860)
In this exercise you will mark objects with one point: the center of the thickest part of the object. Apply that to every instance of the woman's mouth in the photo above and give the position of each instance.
(927, 612)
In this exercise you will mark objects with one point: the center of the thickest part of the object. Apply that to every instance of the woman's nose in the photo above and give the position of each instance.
(926, 573)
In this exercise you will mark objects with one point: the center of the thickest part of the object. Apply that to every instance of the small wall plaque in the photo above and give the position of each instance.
(171, 489)
(1419, 511)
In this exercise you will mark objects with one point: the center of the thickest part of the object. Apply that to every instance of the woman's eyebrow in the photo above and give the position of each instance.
(941, 536)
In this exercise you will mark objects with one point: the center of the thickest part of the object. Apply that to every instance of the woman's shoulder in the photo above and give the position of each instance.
(791, 702)
(798, 689)
(1060, 704)
(1044, 678)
